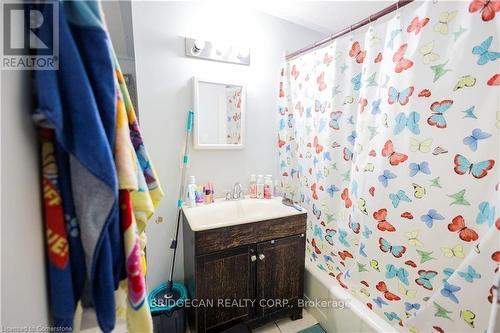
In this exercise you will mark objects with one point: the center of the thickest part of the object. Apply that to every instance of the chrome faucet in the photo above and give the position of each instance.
(238, 191)
(236, 194)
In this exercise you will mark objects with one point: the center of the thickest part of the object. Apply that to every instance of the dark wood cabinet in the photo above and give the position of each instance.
(225, 276)
(280, 273)
(247, 273)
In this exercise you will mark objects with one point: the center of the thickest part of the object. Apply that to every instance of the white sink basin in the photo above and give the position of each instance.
(224, 213)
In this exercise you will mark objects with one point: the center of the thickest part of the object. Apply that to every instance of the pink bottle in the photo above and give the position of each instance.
(268, 187)
(253, 186)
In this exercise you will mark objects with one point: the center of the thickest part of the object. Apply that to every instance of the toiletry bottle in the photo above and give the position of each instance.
(212, 192)
(191, 190)
(268, 187)
(253, 186)
(208, 194)
(199, 195)
(260, 187)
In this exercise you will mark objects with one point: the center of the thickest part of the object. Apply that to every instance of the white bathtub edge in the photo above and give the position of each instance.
(360, 309)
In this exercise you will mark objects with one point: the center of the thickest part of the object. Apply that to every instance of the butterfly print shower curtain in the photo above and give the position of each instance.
(390, 138)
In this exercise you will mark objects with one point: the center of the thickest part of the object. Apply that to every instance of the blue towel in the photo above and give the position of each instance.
(78, 101)
(76, 254)
(59, 266)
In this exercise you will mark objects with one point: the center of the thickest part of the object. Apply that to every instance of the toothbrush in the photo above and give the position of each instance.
(290, 203)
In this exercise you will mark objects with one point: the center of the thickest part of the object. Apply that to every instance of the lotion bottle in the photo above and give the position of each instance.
(212, 192)
(199, 195)
(208, 194)
(253, 186)
(191, 192)
(268, 187)
(260, 187)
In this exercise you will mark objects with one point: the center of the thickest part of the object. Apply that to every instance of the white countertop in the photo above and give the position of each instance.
(225, 213)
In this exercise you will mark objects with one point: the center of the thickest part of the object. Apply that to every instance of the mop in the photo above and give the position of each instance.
(172, 294)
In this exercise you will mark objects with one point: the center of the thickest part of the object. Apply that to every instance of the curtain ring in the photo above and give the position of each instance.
(370, 19)
(397, 5)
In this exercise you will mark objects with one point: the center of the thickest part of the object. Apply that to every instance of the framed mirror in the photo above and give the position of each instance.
(219, 109)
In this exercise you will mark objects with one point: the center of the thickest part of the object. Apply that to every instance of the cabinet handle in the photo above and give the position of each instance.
(262, 257)
(253, 258)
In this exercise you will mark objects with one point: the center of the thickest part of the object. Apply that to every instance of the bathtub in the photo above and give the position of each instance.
(354, 317)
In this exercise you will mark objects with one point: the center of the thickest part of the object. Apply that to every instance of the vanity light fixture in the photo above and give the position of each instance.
(242, 52)
(222, 49)
(197, 47)
(216, 51)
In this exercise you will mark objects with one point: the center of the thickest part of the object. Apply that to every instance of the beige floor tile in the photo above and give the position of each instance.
(267, 328)
(286, 325)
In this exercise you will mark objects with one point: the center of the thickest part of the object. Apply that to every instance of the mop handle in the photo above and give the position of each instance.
(185, 158)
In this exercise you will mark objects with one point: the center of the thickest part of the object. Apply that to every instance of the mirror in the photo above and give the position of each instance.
(219, 109)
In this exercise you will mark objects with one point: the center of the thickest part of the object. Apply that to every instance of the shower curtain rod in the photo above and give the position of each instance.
(369, 19)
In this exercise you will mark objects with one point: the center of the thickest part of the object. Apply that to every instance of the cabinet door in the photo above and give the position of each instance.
(228, 276)
(280, 273)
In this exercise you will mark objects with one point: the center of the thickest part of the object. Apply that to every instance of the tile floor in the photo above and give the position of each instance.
(283, 325)
(286, 325)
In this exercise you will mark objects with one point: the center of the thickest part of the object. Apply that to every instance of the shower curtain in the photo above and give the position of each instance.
(233, 115)
(390, 139)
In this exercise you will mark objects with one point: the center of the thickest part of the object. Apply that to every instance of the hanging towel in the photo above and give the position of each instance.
(59, 267)
(133, 305)
(149, 193)
(144, 200)
(76, 253)
(136, 177)
(78, 101)
(125, 157)
(138, 315)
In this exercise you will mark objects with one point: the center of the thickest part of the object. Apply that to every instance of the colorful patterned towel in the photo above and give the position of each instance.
(140, 193)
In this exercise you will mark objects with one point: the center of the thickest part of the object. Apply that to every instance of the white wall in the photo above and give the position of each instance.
(165, 94)
(119, 21)
(23, 280)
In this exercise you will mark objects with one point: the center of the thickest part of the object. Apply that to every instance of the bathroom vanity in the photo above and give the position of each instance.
(243, 262)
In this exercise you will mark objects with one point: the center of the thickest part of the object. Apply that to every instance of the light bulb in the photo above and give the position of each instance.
(198, 46)
(222, 49)
(243, 52)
